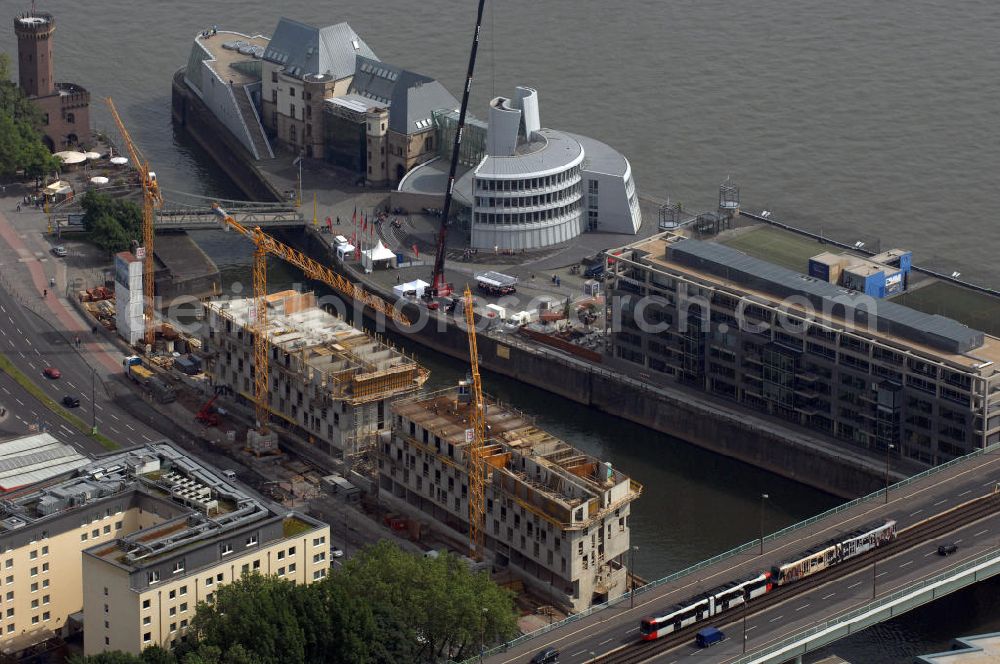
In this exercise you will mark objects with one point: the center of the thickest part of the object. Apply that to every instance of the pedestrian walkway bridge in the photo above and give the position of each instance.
(186, 212)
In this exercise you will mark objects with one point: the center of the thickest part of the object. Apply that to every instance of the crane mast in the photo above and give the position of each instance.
(438, 284)
(264, 244)
(477, 425)
(151, 199)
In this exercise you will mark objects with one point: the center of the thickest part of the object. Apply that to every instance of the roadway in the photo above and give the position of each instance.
(612, 628)
(33, 343)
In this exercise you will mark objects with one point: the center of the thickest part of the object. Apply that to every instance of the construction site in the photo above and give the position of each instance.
(329, 381)
(554, 517)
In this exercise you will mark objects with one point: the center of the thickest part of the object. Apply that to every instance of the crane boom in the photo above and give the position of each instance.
(438, 284)
(312, 269)
(151, 199)
(477, 424)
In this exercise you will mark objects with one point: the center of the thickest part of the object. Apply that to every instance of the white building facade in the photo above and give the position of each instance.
(539, 187)
(128, 297)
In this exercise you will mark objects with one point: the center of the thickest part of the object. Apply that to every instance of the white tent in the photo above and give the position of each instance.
(70, 157)
(378, 254)
(416, 286)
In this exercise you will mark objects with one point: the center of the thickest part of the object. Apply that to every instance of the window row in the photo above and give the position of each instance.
(527, 184)
(510, 218)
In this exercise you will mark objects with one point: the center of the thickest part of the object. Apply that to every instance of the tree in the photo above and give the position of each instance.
(435, 605)
(21, 146)
(114, 223)
(258, 613)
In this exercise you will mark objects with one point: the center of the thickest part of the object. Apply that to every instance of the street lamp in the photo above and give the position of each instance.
(746, 609)
(888, 448)
(93, 403)
(763, 497)
(635, 548)
(482, 634)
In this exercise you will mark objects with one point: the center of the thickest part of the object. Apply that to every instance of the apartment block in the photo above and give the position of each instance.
(556, 517)
(330, 382)
(867, 371)
(125, 547)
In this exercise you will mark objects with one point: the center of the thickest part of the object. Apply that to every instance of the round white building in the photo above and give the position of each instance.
(538, 187)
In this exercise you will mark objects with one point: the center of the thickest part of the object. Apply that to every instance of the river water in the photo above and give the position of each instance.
(861, 119)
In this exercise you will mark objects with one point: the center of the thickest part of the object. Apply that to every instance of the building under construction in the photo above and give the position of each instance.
(555, 517)
(331, 382)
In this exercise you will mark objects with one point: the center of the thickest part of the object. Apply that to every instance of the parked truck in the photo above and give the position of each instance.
(148, 381)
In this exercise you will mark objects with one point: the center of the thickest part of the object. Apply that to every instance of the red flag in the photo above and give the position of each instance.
(354, 219)
(364, 223)
(416, 252)
(354, 238)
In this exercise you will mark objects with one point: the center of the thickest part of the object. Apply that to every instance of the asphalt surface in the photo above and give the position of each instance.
(618, 626)
(33, 343)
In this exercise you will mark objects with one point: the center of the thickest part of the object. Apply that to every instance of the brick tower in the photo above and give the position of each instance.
(34, 53)
(64, 107)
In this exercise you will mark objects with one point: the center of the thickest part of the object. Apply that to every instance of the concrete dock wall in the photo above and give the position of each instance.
(191, 114)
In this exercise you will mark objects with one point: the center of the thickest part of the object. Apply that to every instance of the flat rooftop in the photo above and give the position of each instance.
(333, 353)
(981, 649)
(35, 458)
(984, 357)
(224, 57)
(549, 149)
(196, 503)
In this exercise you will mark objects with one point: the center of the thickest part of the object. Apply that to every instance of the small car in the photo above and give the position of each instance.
(546, 656)
(70, 401)
(59, 251)
(336, 553)
(51, 372)
(229, 474)
(947, 549)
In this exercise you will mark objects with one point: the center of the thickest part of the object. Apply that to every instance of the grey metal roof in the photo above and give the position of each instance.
(303, 49)
(600, 157)
(411, 97)
(35, 458)
(931, 330)
(555, 151)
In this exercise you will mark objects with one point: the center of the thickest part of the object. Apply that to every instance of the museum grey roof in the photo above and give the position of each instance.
(600, 157)
(411, 97)
(549, 151)
(888, 317)
(303, 49)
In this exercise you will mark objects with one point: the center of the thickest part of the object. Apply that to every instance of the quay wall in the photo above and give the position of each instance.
(190, 113)
(685, 415)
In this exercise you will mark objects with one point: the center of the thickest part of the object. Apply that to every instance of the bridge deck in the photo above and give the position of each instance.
(910, 503)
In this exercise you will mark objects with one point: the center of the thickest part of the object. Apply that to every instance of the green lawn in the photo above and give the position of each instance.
(977, 310)
(779, 247)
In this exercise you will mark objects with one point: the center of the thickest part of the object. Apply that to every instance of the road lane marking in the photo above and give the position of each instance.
(28, 340)
(982, 532)
(958, 541)
(880, 574)
(67, 429)
(777, 619)
(634, 629)
(929, 553)
(855, 585)
(804, 606)
(116, 431)
(151, 440)
(18, 330)
(751, 627)
(578, 653)
(71, 384)
(908, 562)
(18, 401)
(991, 482)
(964, 493)
(828, 596)
(6, 391)
(38, 353)
(115, 416)
(129, 426)
(940, 502)
(916, 513)
(97, 406)
(32, 365)
(604, 641)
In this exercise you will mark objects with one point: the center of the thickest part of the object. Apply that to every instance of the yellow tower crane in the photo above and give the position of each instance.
(476, 437)
(264, 244)
(151, 199)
